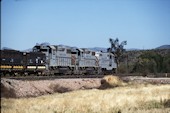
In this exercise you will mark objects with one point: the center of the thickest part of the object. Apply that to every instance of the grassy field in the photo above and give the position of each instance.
(134, 98)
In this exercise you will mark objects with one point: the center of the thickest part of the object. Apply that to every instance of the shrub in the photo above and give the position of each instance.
(110, 81)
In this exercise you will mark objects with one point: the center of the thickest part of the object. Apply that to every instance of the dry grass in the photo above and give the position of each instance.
(134, 98)
(111, 81)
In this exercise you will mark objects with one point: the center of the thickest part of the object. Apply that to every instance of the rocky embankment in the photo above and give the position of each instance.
(19, 88)
(11, 88)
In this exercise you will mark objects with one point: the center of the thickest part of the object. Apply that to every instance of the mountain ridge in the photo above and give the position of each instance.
(103, 49)
(163, 47)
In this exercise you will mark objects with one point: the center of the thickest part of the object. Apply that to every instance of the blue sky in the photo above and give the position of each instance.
(85, 23)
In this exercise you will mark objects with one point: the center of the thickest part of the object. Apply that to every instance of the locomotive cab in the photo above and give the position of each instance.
(50, 53)
(106, 62)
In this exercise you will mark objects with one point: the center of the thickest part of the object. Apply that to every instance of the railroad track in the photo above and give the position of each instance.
(52, 77)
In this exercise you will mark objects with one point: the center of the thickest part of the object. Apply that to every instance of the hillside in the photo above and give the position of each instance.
(146, 61)
(164, 47)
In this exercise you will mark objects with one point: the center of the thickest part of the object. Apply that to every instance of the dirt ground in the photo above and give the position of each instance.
(11, 88)
(19, 88)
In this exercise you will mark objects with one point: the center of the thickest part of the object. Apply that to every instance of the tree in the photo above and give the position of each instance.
(145, 66)
(152, 62)
(151, 55)
(166, 64)
(117, 49)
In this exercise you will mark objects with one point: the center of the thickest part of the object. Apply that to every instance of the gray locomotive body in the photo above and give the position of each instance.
(70, 60)
(106, 62)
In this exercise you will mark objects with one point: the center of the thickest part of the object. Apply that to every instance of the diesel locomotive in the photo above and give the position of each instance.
(15, 62)
(56, 60)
